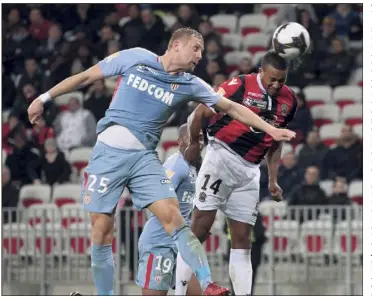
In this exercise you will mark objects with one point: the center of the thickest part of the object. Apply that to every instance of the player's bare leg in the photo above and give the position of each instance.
(240, 266)
(102, 259)
(194, 288)
(189, 247)
(201, 224)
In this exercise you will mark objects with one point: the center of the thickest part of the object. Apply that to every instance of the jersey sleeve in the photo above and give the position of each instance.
(204, 93)
(119, 62)
(232, 86)
(176, 173)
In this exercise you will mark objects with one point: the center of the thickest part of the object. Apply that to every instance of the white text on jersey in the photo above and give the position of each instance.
(153, 90)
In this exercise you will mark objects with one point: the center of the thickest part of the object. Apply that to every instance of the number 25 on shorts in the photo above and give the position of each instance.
(99, 184)
(215, 186)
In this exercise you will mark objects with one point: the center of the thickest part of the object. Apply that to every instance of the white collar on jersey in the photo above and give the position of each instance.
(260, 83)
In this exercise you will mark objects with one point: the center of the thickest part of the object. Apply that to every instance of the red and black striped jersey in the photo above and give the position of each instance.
(249, 142)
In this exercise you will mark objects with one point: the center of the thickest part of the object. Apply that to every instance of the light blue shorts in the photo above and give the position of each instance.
(156, 268)
(110, 170)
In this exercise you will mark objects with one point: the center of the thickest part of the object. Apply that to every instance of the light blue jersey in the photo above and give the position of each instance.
(183, 177)
(157, 250)
(146, 95)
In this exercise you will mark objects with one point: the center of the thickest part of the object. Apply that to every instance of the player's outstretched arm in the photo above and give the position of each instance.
(249, 118)
(273, 157)
(79, 80)
(195, 123)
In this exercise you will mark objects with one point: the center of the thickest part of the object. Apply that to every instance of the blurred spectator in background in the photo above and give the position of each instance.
(345, 160)
(12, 123)
(211, 70)
(17, 47)
(75, 127)
(32, 75)
(313, 151)
(335, 69)
(51, 168)
(23, 154)
(339, 197)
(131, 32)
(39, 26)
(106, 35)
(51, 45)
(187, 16)
(289, 174)
(84, 60)
(304, 18)
(40, 133)
(8, 93)
(302, 122)
(13, 20)
(308, 193)
(245, 67)
(10, 196)
(322, 45)
(99, 99)
(23, 100)
(207, 31)
(153, 35)
(59, 65)
(344, 16)
(218, 79)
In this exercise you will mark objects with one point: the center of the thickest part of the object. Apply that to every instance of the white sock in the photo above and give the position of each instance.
(240, 270)
(183, 276)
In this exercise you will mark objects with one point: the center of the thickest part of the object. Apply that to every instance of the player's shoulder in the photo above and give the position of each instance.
(142, 52)
(176, 163)
(288, 92)
(134, 55)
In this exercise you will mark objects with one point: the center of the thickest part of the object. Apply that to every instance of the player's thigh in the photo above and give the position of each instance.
(194, 288)
(242, 210)
(148, 181)
(156, 269)
(105, 178)
(213, 184)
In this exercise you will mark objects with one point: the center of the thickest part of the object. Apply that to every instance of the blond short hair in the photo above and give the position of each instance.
(182, 32)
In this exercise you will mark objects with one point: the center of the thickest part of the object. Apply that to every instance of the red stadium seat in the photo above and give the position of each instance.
(269, 9)
(342, 239)
(66, 194)
(212, 243)
(34, 194)
(79, 157)
(325, 114)
(352, 114)
(224, 23)
(316, 237)
(355, 192)
(317, 95)
(346, 95)
(329, 133)
(252, 23)
(256, 42)
(13, 245)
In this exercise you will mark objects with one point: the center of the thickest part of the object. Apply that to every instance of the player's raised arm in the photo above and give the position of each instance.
(110, 66)
(273, 158)
(247, 117)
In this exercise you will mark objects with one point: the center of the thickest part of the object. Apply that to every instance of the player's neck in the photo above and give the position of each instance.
(169, 65)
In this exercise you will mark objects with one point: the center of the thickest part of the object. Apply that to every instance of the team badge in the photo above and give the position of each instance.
(158, 279)
(87, 199)
(284, 109)
(202, 197)
(174, 87)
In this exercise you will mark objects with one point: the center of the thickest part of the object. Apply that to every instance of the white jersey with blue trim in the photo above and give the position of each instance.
(146, 95)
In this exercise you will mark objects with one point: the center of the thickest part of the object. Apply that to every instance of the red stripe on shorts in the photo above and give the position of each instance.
(148, 270)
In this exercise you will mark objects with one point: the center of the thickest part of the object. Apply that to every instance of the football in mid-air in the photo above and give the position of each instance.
(291, 40)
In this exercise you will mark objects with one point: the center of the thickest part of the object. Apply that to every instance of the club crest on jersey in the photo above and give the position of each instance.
(284, 109)
(158, 279)
(174, 87)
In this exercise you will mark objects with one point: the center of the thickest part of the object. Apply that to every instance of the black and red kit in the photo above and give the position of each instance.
(248, 142)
